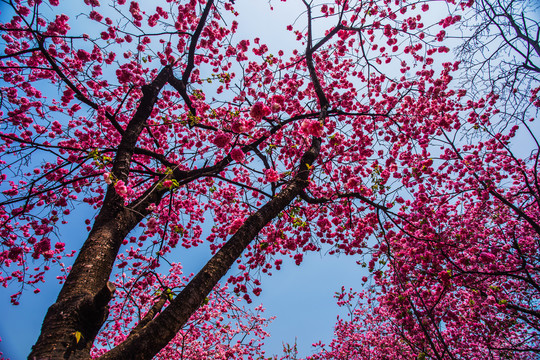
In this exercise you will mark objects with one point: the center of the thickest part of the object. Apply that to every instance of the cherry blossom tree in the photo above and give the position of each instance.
(500, 51)
(460, 275)
(177, 133)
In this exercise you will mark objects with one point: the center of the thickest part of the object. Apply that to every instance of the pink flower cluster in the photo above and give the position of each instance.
(221, 139)
(312, 127)
(259, 110)
(271, 175)
(278, 102)
(108, 178)
(241, 126)
(235, 225)
(121, 188)
(238, 155)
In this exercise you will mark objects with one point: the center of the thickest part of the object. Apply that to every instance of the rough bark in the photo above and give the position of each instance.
(81, 306)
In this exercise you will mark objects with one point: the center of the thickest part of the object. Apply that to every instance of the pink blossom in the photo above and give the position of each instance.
(312, 127)
(151, 224)
(271, 175)
(24, 10)
(41, 247)
(353, 182)
(238, 155)
(276, 108)
(259, 110)
(15, 252)
(235, 225)
(221, 139)
(121, 188)
(107, 178)
(453, 241)
(83, 55)
(237, 127)
(278, 99)
(241, 126)
(248, 125)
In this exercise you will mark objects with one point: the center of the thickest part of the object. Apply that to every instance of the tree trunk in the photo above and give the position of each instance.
(82, 305)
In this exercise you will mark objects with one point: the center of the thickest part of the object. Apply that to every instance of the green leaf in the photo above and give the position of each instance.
(78, 336)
